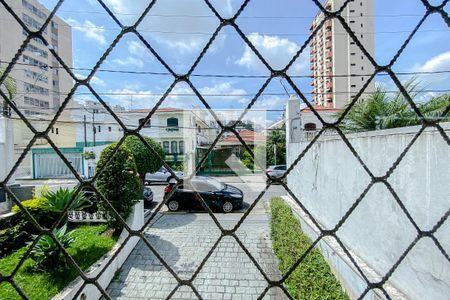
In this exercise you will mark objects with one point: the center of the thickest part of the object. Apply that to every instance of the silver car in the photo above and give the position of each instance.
(276, 171)
(162, 175)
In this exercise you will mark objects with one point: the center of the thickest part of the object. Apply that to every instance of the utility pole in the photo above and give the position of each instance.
(93, 127)
(84, 125)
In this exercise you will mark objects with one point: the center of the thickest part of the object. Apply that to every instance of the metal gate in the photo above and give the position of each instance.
(50, 165)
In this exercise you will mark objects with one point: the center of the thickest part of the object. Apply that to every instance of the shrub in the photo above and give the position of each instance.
(57, 201)
(145, 160)
(37, 208)
(12, 238)
(47, 253)
(312, 279)
(119, 182)
(40, 190)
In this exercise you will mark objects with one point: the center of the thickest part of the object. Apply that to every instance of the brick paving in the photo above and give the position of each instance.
(183, 240)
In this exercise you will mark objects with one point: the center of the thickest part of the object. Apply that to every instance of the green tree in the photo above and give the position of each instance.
(381, 111)
(276, 147)
(119, 182)
(146, 161)
(9, 86)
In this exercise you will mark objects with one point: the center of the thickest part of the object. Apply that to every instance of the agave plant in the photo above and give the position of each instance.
(47, 253)
(57, 201)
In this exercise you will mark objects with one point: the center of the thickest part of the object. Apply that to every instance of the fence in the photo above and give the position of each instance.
(418, 233)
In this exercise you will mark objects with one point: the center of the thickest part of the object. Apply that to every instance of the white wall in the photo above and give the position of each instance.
(6, 152)
(6, 147)
(329, 179)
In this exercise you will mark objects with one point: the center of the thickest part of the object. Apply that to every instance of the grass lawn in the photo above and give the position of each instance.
(313, 278)
(89, 246)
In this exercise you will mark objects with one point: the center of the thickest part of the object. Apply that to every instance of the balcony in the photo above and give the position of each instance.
(329, 54)
(329, 65)
(328, 44)
(329, 86)
(328, 34)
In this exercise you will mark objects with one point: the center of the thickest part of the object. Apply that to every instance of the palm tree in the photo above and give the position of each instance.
(381, 111)
(9, 86)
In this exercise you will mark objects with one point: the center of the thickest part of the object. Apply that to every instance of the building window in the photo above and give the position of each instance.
(310, 126)
(353, 85)
(99, 128)
(147, 124)
(166, 147)
(56, 130)
(181, 146)
(173, 147)
(109, 128)
(172, 122)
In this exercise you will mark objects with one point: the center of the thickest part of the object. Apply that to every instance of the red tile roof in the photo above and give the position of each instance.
(247, 136)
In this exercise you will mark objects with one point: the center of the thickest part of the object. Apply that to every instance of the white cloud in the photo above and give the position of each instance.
(136, 48)
(276, 51)
(90, 30)
(167, 23)
(439, 62)
(129, 61)
(97, 81)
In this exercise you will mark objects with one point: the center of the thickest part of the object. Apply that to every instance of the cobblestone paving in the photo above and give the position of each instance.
(183, 240)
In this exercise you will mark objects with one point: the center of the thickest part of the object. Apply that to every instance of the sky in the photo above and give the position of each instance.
(179, 29)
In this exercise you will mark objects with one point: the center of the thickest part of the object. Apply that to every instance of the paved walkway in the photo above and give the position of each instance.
(183, 240)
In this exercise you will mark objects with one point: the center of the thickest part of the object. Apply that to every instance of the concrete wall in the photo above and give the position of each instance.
(329, 179)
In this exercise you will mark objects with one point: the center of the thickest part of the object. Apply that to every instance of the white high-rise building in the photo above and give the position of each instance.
(335, 57)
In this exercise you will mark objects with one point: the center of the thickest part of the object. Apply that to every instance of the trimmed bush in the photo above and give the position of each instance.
(36, 207)
(146, 161)
(312, 279)
(119, 182)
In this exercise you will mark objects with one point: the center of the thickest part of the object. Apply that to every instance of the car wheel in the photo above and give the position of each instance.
(173, 205)
(227, 207)
(169, 179)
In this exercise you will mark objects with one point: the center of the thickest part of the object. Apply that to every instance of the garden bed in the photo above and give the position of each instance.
(89, 246)
(313, 278)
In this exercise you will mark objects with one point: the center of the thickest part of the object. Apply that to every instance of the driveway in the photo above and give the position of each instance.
(183, 240)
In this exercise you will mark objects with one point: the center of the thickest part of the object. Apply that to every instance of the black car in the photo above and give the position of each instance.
(216, 194)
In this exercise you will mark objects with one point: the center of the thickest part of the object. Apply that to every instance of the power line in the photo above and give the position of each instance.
(214, 17)
(103, 28)
(400, 73)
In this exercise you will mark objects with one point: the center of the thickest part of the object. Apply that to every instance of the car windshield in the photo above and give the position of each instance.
(206, 184)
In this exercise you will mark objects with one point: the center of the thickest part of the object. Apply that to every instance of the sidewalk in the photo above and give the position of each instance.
(183, 240)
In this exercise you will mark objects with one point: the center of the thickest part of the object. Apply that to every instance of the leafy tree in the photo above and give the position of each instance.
(276, 147)
(381, 111)
(119, 182)
(9, 86)
(146, 161)
(247, 160)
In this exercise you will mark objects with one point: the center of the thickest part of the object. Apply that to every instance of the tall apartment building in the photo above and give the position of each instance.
(41, 84)
(336, 62)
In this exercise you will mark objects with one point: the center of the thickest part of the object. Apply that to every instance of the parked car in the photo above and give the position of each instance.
(216, 194)
(93, 198)
(148, 197)
(162, 175)
(276, 171)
